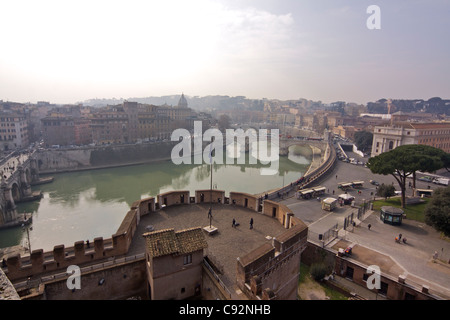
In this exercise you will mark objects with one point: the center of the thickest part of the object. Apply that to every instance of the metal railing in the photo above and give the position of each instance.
(216, 276)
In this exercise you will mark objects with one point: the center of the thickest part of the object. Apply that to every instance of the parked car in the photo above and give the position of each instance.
(426, 179)
(375, 183)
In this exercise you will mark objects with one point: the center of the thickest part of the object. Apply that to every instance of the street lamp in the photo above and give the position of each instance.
(27, 229)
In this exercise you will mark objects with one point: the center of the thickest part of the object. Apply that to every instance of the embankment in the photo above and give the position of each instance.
(86, 158)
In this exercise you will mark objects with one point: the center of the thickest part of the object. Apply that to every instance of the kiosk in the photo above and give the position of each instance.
(391, 215)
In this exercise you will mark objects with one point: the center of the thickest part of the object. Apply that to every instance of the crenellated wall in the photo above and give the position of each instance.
(207, 196)
(278, 211)
(173, 197)
(61, 257)
(82, 253)
(245, 200)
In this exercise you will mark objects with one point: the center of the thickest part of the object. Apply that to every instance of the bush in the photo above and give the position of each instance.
(318, 271)
(386, 191)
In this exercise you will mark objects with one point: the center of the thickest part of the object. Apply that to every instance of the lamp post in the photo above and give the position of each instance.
(210, 185)
(27, 229)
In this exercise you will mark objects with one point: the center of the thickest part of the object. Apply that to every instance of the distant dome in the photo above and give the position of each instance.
(183, 102)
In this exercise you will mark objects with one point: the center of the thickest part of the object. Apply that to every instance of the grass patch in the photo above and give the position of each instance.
(306, 283)
(412, 211)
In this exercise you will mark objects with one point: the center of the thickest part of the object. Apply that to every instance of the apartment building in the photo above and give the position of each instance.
(58, 130)
(13, 131)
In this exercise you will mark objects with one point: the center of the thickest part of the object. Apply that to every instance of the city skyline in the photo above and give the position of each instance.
(66, 52)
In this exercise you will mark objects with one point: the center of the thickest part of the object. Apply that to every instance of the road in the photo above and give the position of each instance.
(415, 257)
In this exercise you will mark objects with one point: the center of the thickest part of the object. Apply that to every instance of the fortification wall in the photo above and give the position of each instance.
(119, 281)
(246, 200)
(278, 211)
(83, 253)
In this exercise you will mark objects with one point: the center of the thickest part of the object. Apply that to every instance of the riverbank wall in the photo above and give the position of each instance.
(88, 158)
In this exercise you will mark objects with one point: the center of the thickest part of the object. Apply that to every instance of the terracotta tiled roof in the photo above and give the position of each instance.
(167, 241)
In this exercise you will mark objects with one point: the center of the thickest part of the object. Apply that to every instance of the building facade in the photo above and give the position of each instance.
(58, 131)
(435, 134)
(13, 131)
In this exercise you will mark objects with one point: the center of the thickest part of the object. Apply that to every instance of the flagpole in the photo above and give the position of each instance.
(210, 187)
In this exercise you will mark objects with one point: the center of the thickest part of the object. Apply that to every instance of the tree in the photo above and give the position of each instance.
(363, 140)
(437, 211)
(386, 190)
(318, 271)
(446, 160)
(404, 161)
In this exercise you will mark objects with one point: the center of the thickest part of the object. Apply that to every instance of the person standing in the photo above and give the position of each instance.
(234, 223)
(251, 223)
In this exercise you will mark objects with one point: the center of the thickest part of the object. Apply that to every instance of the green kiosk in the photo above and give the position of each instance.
(391, 215)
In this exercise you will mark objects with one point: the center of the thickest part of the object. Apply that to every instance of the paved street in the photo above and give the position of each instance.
(413, 258)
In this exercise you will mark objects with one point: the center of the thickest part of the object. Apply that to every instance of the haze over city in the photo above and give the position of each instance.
(70, 51)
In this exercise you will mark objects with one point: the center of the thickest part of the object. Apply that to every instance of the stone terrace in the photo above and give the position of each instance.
(225, 246)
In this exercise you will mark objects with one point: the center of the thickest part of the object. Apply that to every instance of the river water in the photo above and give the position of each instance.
(88, 204)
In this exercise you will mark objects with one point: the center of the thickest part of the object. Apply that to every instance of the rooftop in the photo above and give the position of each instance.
(167, 241)
(223, 248)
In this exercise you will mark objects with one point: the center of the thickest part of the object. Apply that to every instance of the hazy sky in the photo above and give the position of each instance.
(65, 51)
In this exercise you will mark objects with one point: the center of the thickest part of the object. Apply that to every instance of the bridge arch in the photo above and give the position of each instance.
(15, 192)
(28, 176)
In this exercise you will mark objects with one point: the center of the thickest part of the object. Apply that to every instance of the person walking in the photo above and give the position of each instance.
(234, 223)
(251, 223)
(369, 226)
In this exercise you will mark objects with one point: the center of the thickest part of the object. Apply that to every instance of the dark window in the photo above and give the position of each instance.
(187, 259)
(409, 296)
(349, 273)
(383, 288)
(391, 145)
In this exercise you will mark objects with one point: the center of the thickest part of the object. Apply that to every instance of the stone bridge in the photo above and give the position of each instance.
(286, 143)
(18, 173)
